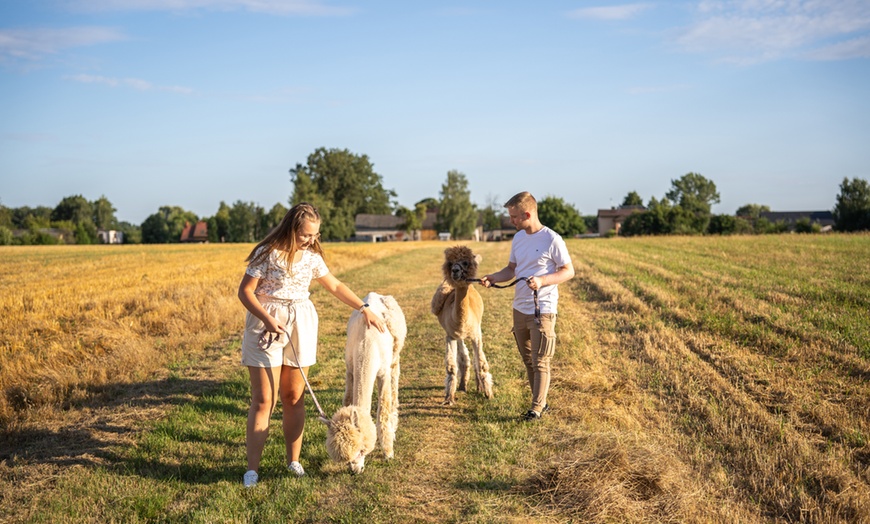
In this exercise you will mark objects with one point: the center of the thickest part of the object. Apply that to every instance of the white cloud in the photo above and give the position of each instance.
(614, 12)
(32, 44)
(854, 48)
(133, 83)
(275, 7)
(751, 31)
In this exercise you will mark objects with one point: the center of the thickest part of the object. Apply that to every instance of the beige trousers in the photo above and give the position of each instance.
(536, 345)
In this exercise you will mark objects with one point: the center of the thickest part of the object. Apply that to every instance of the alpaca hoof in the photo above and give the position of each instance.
(447, 402)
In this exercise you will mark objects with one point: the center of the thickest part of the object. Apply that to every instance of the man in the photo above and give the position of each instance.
(540, 258)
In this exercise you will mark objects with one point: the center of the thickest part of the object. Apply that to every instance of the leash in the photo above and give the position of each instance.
(266, 340)
(527, 280)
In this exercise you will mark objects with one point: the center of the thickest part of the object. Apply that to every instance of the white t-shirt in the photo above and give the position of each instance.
(278, 281)
(536, 255)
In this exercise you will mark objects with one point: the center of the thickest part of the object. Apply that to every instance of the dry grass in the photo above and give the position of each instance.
(696, 380)
(75, 319)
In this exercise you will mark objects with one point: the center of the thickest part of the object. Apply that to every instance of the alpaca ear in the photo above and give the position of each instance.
(354, 417)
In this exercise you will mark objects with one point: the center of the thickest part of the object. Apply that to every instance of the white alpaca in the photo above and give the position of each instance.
(370, 357)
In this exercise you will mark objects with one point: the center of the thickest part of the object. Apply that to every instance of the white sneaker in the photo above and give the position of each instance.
(250, 479)
(296, 469)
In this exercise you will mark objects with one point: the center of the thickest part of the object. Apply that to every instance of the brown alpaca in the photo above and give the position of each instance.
(459, 309)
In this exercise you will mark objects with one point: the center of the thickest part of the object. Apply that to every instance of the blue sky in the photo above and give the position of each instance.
(191, 102)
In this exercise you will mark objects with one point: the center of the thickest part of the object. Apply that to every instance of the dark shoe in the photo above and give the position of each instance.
(531, 415)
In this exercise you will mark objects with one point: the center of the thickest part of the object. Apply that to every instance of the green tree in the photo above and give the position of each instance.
(561, 217)
(661, 218)
(728, 225)
(83, 236)
(274, 217)
(431, 204)
(243, 222)
(28, 218)
(5, 217)
(695, 195)
(155, 229)
(805, 225)
(104, 214)
(492, 214)
(752, 212)
(166, 225)
(219, 225)
(75, 208)
(852, 210)
(456, 213)
(340, 185)
(632, 199)
(413, 218)
(5, 236)
(132, 233)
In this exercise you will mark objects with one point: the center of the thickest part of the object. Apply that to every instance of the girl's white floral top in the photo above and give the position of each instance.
(279, 280)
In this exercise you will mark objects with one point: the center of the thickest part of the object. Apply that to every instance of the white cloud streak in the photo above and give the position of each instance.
(615, 12)
(274, 7)
(33, 44)
(132, 83)
(753, 31)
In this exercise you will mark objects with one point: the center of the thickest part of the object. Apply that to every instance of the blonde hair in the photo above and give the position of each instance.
(523, 201)
(283, 237)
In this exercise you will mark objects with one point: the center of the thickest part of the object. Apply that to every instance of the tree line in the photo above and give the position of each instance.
(685, 210)
(342, 185)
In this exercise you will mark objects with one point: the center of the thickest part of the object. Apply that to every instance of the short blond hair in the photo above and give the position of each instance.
(523, 201)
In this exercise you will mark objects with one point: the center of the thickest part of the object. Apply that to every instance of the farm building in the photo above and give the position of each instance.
(378, 228)
(110, 236)
(612, 219)
(195, 233)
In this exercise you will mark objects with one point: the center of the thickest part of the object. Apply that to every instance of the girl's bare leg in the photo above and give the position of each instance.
(293, 403)
(264, 395)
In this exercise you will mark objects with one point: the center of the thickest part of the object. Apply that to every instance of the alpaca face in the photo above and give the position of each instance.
(350, 436)
(460, 264)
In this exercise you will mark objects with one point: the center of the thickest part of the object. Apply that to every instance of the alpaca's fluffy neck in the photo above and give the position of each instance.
(459, 309)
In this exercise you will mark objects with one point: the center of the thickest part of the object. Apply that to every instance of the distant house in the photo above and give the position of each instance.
(110, 236)
(505, 231)
(825, 219)
(612, 219)
(195, 233)
(428, 232)
(378, 228)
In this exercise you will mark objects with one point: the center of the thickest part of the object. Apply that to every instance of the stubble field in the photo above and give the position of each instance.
(695, 380)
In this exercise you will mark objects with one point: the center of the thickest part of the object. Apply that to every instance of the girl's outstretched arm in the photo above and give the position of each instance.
(343, 293)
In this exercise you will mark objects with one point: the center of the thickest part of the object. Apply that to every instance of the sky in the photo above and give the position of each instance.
(192, 102)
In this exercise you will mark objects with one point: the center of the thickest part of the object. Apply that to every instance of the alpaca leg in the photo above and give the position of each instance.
(463, 371)
(481, 368)
(450, 380)
(394, 413)
(385, 409)
(348, 382)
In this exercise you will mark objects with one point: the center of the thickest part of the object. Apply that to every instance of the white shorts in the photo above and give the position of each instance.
(300, 319)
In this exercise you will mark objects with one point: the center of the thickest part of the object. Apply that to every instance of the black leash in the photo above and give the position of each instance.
(527, 280)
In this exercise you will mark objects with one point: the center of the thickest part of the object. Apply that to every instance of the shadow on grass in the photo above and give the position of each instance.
(111, 417)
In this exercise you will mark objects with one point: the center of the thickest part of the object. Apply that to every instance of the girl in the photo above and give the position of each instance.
(281, 318)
